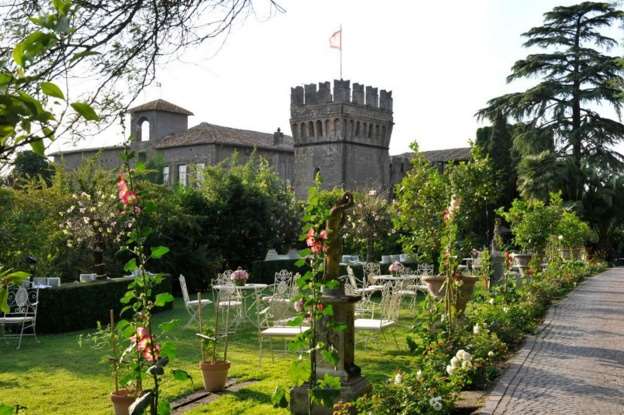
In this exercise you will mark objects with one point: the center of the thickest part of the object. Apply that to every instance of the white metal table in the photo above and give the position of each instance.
(247, 305)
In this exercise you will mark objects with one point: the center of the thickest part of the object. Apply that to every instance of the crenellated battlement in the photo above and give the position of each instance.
(313, 94)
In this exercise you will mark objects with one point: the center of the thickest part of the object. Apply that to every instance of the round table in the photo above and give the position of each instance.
(394, 278)
(246, 306)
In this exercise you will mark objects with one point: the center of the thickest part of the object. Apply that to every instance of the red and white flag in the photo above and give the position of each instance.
(335, 40)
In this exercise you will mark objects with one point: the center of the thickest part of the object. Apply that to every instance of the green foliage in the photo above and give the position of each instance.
(424, 194)
(577, 81)
(369, 226)
(573, 231)
(8, 277)
(533, 221)
(24, 93)
(30, 165)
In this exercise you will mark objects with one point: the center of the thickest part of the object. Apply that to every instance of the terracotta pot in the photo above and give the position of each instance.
(122, 399)
(522, 262)
(214, 374)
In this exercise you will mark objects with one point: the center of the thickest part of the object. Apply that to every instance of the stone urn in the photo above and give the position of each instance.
(122, 399)
(522, 262)
(436, 289)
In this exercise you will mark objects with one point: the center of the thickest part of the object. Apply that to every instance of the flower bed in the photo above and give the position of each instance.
(77, 306)
(495, 324)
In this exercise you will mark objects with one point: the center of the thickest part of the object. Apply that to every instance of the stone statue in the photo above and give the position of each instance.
(333, 244)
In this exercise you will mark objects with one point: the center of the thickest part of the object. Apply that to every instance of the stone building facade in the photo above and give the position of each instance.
(343, 134)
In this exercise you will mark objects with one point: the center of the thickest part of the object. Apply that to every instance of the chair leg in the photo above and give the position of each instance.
(19, 342)
(260, 357)
(271, 346)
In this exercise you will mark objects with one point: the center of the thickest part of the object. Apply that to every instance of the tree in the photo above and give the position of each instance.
(29, 164)
(118, 43)
(576, 75)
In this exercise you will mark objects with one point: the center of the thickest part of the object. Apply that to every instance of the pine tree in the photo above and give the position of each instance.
(576, 76)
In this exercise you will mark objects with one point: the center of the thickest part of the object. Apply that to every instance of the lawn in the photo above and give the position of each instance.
(58, 376)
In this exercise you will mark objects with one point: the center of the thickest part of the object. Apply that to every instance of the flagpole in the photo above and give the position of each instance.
(341, 51)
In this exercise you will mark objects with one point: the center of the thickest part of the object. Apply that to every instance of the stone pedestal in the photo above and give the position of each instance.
(353, 384)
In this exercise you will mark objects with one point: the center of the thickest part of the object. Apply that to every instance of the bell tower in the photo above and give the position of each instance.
(344, 135)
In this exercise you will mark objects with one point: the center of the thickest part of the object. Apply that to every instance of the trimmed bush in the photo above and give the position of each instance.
(77, 306)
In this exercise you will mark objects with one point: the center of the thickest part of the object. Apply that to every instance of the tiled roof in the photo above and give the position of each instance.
(442, 156)
(206, 133)
(160, 105)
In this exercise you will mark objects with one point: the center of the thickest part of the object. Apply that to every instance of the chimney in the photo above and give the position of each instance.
(278, 137)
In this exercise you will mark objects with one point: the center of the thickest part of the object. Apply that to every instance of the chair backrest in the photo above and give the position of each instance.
(224, 278)
(39, 281)
(390, 304)
(425, 269)
(23, 301)
(282, 287)
(370, 269)
(184, 290)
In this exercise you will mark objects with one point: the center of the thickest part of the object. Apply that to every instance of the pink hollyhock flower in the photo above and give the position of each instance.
(323, 234)
(145, 344)
(126, 196)
(316, 248)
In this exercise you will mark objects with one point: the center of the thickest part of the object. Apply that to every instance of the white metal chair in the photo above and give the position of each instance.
(371, 269)
(23, 305)
(388, 315)
(273, 325)
(281, 297)
(191, 305)
(54, 281)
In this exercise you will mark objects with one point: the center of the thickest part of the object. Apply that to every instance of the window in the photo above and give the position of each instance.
(165, 175)
(311, 129)
(145, 130)
(319, 128)
(199, 172)
(182, 175)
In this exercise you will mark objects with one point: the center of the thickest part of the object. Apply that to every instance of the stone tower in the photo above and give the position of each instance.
(344, 136)
(152, 121)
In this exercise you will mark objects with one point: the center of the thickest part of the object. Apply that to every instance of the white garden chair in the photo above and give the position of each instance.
(23, 304)
(273, 325)
(229, 300)
(372, 269)
(388, 314)
(283, 290)
(191, 305)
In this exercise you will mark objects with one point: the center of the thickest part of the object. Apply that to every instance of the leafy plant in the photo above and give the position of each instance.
(9, 277)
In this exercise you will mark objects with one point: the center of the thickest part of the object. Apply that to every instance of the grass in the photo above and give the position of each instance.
(57, 376)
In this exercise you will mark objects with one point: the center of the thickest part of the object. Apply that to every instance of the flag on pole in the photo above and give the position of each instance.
(335, 41)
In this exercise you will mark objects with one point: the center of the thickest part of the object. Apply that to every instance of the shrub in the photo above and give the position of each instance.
(80, 306)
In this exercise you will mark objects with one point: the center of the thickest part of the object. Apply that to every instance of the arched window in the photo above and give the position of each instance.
(370, 130)
(377, 131)
(311, 129)
(145, 130)
(336, 127)
(357, 129)
(327, 132)
(319, 128)
(351, 129)
(302, 131)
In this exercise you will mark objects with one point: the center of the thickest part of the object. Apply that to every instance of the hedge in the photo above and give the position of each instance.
(77, 306)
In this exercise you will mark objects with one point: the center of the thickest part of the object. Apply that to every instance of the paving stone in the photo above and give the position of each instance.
(575, 363)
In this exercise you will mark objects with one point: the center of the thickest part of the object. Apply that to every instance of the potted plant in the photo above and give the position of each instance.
(214, 371)
(109, 336)
(240, 276)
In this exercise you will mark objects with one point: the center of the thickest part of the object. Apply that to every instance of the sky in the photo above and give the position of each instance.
(442, 60)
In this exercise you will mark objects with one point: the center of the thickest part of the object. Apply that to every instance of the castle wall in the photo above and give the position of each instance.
(347, 132)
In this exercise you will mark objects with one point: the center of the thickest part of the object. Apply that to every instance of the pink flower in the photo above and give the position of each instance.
(395, 267)
(126, 196)
(145, 344)
(239, 275)
(316, 248)
(323, 234)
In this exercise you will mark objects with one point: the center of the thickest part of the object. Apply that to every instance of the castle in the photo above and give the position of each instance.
(342, 134)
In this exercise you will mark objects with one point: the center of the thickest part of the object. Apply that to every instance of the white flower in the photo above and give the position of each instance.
(460, 354)
(418, 374)
(109, 230)
(455, 362)
(75, 196)
(69, 244)
(561, 237)
(85, 220)
(92, 209)
(476, 329)
(491, 301)
(82, 210)
(450, 369)
(505, 309)
(466, 364)
(436, 403)
(490, 354)
(398, 378)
